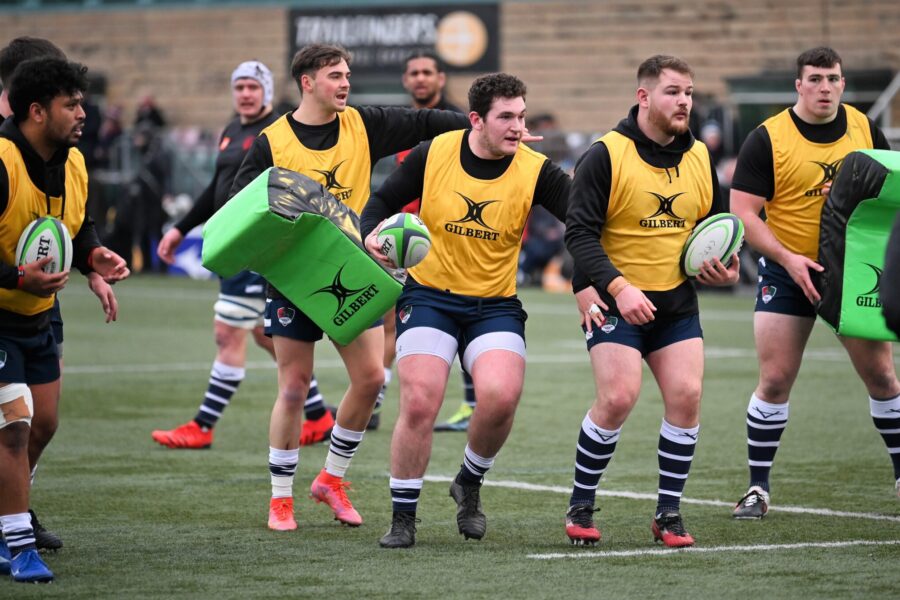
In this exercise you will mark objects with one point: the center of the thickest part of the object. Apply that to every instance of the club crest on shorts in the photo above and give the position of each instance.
(767, 293)
(609, 325)
(2, 358)
(405, 313)
(285, 315)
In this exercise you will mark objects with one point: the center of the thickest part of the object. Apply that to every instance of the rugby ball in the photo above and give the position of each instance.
(719, 236)
(44, 237)
(404, 239)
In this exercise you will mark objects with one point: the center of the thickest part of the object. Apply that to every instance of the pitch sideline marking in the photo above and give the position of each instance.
(520, 485)
(752, 548)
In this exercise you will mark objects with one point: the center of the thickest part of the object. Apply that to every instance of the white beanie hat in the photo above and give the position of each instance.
(253, 69)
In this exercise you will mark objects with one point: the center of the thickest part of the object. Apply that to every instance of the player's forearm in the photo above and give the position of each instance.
(760, 238)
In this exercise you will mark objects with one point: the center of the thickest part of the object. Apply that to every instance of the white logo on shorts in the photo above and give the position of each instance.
(609, 325)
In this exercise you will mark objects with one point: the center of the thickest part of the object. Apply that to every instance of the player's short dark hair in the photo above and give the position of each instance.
(438, 63)
(25, 48)
(313, 57)
(822, 57)
(652, 68)
(488, 88)
(43, 79)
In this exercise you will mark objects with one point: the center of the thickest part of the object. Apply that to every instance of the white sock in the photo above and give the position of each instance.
(282, 467)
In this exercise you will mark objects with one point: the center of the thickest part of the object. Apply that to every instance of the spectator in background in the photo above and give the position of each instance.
(424, 79)
(554, 145)
(139, 216)
(148, 113)
(543, 240)
(711, 135)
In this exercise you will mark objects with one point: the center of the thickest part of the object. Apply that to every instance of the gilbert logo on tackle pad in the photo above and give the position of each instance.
(856, 223)
(306, 243)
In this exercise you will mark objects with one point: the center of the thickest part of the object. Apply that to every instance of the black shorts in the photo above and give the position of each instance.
(29, 359)
(284, 319)
(647, 338)
(776, 292)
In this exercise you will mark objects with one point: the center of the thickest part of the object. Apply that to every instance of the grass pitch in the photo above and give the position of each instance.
(142, 521)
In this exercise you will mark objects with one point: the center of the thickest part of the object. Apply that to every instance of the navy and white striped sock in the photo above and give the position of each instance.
(282, 467)
(474, 467)
(18, 532)
(405, 494)
(595, 449)
(344, 444)
(223, 383)
(765, 424)
(675, 453)
(314, 407)
(886, 415)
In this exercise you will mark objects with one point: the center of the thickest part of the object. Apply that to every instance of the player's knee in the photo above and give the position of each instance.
(369, 380)
(775, 384)
(881, 383)
(43, 428)
(294, 387)
(616, 404)
(16, 405)
(228, 337)
(420, 413)
(14, 438)
(688, 393)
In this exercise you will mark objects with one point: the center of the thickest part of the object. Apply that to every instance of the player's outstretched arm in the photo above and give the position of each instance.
(108, 264)
(105, 294)
(168, 245)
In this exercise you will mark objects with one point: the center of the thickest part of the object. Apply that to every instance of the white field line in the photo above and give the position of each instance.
(536, 359)
(519, 485)
(752, 548)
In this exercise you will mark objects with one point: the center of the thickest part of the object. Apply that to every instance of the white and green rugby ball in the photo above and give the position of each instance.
(45, 237)
(719, 236)
(404, 239)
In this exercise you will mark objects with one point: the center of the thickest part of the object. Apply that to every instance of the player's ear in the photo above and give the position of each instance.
(37, 112)
(476, 121)
(643, 97)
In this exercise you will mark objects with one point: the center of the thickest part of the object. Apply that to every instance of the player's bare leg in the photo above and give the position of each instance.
(780, 340)
(362, 359)
(874, 362)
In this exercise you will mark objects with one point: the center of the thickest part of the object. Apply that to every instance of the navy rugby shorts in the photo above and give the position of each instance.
(776, 292)
(30, 359)
(647, 338)
(286, 320)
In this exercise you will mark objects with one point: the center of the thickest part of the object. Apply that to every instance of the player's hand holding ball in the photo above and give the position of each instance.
(711, 252)
(399, 242)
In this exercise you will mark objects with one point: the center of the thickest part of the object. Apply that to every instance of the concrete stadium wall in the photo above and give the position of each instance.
(578, 58)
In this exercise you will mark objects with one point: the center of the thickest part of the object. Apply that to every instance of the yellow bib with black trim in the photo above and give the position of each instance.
(344, 169)
(652, 211)
(802, 169)
(27, 203)
(476, 225)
